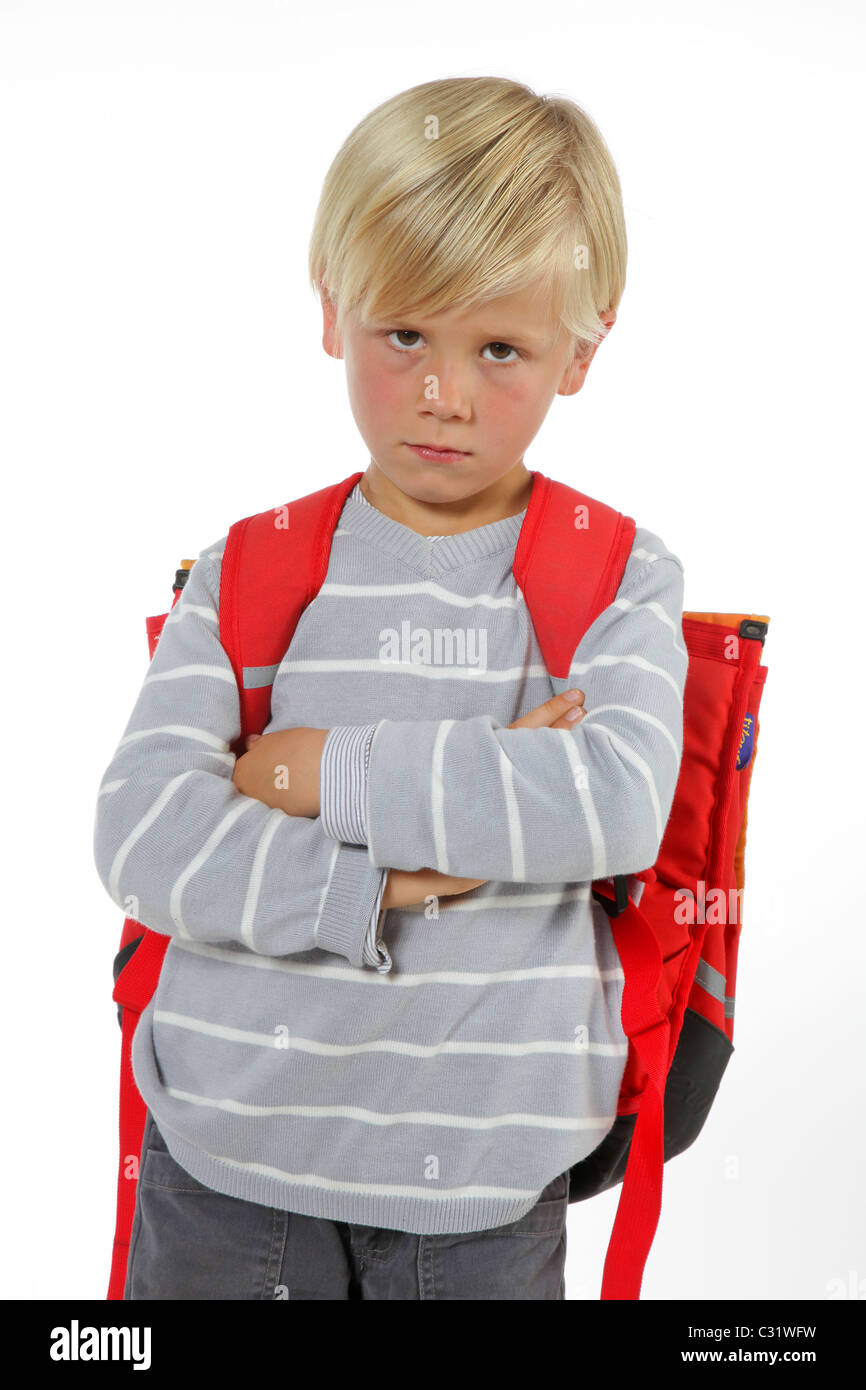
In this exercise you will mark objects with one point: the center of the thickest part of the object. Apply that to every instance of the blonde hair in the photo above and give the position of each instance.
(464, 189)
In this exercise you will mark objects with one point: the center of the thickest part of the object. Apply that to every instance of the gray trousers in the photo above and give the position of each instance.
(188, 1241)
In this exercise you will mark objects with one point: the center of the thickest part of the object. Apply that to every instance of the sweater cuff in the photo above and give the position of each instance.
(346, 923)
(343, 782)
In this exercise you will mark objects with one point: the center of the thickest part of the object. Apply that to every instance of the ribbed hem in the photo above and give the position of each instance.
(428, 1215)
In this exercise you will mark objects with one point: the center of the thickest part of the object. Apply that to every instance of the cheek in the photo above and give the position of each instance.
(513, 412)
(376, 395)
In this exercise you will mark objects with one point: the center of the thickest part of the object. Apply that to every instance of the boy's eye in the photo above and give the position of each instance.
(507, 347)
(413, 333)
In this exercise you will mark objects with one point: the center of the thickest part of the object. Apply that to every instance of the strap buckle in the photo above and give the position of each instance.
(613, 909)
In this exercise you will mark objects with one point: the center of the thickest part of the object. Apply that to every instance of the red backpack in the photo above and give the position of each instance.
(678, 949)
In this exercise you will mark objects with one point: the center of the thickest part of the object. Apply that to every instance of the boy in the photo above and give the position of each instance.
(388, 1021)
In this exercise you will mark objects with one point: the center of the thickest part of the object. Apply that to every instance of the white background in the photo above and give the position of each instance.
(162, 375)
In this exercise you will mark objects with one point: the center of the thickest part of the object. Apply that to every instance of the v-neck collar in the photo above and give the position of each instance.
(430, 556)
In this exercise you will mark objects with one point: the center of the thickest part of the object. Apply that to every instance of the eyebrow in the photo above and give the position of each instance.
(530, 338)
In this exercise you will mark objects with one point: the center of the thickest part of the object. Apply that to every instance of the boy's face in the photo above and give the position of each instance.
(480, 381)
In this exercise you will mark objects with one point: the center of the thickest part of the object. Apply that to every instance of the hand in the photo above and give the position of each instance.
(553, 714)
(404, 887)
(284, 770)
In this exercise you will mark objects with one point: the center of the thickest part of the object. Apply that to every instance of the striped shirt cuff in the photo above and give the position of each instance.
(375, 951)
(343, 782)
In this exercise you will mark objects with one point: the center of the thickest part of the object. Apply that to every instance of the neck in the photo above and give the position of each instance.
(508, 496)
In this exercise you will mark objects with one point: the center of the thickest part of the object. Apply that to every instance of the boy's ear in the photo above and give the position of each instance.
(576, 369)
(330, 340)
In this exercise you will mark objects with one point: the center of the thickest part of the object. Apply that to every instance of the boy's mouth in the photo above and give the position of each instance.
(429, 451)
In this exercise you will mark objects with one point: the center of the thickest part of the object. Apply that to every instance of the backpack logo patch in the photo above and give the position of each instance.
(747, 740)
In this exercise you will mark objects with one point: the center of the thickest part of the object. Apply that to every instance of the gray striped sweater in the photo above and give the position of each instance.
(429, 1069)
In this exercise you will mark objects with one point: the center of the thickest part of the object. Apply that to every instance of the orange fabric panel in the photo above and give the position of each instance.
(727, 619)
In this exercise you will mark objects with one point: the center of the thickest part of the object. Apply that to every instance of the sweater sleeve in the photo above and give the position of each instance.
(181, 850)
(473, 798)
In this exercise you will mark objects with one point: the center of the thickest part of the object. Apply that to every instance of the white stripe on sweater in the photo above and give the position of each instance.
(414, 980)
(179, 672)
(293, 1043)
(240, 808)
(427, 587)
(519, 1119)
(272, 825)
(142, 827)
(515, 829)
(186, 610)
(178, 731)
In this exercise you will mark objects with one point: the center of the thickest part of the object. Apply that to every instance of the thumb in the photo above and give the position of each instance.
(552, 710)
(251, 738)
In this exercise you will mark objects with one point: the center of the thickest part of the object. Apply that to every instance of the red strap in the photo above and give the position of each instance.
(132, 1117)
(281, 554)
(568, 572)
(133, 991)
(648, 1031)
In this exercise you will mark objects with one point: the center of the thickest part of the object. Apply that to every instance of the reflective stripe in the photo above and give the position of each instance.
(256, 677)
(710, 979)
(713, 981)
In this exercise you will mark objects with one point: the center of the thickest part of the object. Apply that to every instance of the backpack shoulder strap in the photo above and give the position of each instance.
(273, 566)
(569, 562)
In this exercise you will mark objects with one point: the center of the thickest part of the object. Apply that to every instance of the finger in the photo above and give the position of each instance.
(548, 713)
(251, 738)
(568, 723)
